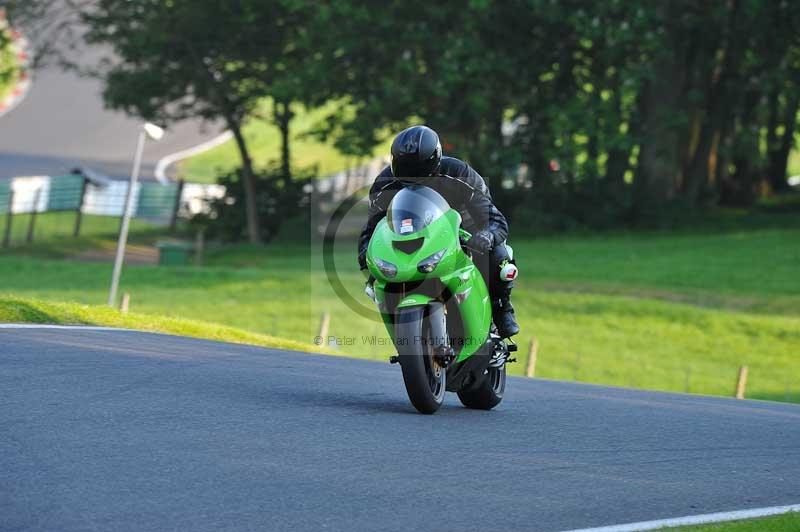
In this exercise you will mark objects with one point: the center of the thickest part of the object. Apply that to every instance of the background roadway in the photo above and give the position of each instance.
(63, 123)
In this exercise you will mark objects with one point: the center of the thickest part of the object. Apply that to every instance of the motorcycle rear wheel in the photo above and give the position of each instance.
(489, 394)
(417, 331)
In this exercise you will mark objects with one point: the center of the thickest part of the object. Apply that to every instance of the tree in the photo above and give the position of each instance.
(195, 58)
(52, 27)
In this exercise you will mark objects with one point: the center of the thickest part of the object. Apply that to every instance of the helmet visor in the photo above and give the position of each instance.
(414, 208)
(410, 167)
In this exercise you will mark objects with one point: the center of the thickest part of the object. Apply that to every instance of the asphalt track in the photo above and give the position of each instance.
(119, 430)
(62, 124)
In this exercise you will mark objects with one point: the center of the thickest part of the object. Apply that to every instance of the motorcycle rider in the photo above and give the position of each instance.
(417, 159)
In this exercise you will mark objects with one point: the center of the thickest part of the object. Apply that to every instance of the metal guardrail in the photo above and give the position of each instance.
(85, 193)
(152, 201)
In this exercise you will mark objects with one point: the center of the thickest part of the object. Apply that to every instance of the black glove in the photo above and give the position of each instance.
(481, 242)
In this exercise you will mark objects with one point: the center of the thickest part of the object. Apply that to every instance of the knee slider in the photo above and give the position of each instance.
(508, 272)
(505, 259)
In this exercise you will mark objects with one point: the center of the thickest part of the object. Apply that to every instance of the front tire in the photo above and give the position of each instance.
(417, 331)
(490, 392)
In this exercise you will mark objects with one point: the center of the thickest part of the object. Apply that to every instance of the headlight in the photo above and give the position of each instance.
(387, 268)
(430, 264)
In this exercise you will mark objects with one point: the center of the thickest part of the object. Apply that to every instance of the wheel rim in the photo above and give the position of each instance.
(433, 369)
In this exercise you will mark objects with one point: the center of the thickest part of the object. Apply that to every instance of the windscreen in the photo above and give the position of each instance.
(414, 208)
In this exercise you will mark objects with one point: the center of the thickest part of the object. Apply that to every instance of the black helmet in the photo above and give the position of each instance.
(416, 152)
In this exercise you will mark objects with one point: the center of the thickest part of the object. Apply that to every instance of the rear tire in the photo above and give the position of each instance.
(489, 394)
(417, 331)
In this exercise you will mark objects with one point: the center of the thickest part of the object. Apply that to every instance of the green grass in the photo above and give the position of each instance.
(263, 139)
(52, 233)
(781, 523)
(22, 310)
(648, 310)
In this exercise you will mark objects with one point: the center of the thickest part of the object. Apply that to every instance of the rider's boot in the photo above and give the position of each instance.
(503, 315)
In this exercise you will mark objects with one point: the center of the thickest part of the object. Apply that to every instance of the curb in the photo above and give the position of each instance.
(165, 162)
(692, 520)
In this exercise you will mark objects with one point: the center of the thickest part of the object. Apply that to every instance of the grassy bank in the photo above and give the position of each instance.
(781, 523)
(22, 310)
(52, 235)
(658, 311)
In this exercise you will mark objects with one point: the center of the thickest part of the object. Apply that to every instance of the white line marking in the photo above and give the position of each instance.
(695, 519)
(166, 162)
(67, 327)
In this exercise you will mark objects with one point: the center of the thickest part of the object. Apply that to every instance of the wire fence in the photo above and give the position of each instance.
(749, 378)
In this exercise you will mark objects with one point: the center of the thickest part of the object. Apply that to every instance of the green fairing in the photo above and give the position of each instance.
(455, 270)
(415, 300)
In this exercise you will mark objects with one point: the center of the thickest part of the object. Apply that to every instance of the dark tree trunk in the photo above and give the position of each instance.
(283, 117)
(772, 124)
(248, 182)
(659, 165)
(719, 104)
(720, 156)
(739, 189)
(659, 157)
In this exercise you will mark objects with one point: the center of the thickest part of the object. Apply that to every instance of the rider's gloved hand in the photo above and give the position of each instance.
(481, 242)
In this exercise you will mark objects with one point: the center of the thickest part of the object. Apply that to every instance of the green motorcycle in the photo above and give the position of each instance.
(435, 304)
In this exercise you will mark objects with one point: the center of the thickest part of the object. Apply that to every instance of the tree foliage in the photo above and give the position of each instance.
(209, 59)
(578, 112)
(643, 105)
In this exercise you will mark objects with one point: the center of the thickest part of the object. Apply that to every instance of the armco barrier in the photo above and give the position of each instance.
(158, 204)
(153, 201)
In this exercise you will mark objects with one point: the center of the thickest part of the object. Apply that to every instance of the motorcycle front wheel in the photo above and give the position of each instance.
(417, 331)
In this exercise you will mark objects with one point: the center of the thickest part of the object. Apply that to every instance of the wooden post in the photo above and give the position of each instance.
(324, 325)
(9, 218)
(32, 224)
(125, 304)
(741, 382)
(530, 367)
(199, 246)
(76, 231)
(173, 221)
